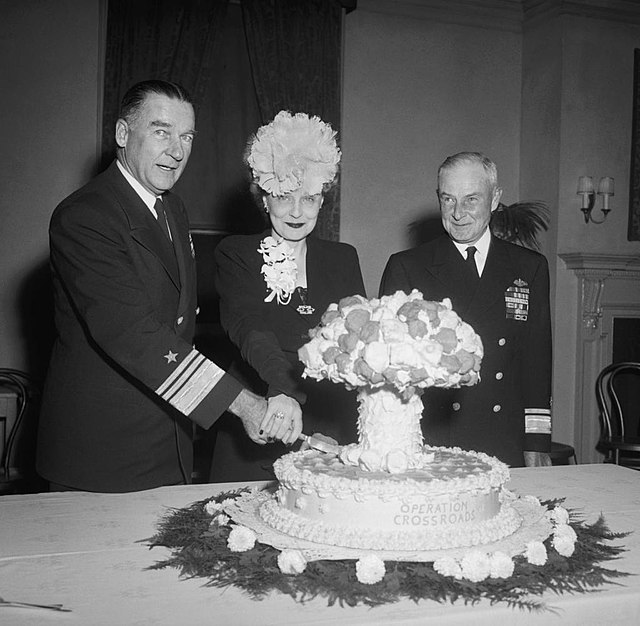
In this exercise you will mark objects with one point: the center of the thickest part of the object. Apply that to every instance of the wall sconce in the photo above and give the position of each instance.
(587, 191)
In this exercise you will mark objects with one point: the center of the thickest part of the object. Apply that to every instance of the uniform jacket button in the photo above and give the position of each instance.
(180, 320)
(455, 406)
(499, 375)
(502, 341)
(496, 408)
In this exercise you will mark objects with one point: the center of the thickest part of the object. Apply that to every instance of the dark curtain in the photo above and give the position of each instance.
(157, 39)
(295, 53)
(215, 183)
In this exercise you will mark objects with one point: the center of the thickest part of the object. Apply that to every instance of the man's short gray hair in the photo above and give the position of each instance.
(471, 157)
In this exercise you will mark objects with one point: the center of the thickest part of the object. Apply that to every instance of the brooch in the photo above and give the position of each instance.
(304, 308)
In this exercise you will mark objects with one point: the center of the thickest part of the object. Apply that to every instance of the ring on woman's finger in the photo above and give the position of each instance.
(279, 415)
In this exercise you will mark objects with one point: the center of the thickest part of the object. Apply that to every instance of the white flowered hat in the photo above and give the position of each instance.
(292, 150)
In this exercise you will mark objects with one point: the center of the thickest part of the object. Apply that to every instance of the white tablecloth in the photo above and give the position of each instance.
(86, 551)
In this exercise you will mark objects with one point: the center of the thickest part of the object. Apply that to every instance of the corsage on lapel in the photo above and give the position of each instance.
(279, 269)
(516, 301)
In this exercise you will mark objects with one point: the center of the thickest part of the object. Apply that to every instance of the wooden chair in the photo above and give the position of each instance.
(17, 477)
(561, 453)
(619, 446)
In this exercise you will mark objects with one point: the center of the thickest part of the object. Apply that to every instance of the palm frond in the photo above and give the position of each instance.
(520, 222)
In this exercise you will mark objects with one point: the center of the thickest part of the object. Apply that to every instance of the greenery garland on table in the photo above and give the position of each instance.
(198, 544)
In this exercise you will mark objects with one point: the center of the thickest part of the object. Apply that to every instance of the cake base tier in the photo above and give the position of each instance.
(535, 526)
(453, 501)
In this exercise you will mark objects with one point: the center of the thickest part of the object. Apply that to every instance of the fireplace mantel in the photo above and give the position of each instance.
(604, 262)
(594, 270)
(609, 288)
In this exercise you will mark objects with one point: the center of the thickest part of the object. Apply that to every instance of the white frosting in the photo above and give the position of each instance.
(455, 501)
(403, 538)
(389, 434)
(388, 491)
(399, 340)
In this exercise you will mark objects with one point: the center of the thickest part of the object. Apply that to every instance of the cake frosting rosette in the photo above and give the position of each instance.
(391, 348)
(401, 340)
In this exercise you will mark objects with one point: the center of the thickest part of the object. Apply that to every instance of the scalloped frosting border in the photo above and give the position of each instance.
(456, 471)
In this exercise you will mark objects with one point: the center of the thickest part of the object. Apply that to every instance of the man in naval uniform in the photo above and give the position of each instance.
(502, 290)
(125, 383)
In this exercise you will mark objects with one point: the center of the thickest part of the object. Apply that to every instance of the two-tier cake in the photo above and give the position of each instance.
(388, 491)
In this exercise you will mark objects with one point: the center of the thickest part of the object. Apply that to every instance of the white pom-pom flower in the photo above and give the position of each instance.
(241, 539)
(559, 515)
(370, 569)
(222, 520)
(564, 546)
(501, 565)
(564, 539)
(212, 507)
(536, 553)
(475, 566)
(292, 562)
(448, 566)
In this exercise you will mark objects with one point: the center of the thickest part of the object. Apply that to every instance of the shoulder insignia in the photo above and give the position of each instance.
(171, 357)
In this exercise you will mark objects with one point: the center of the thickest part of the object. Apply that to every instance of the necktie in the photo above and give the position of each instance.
(162, 217)
(471, 262)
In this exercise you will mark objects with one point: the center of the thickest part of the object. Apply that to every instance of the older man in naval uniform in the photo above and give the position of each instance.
(502, 290)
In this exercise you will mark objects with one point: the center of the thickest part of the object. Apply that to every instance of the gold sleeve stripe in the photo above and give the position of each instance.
(185, 367)
(537, 421)
(205, 378)
(190, 382)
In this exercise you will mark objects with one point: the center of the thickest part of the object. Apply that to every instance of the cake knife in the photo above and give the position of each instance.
(318, 444)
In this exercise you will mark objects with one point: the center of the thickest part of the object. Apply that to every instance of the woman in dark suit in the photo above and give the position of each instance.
(275, 286)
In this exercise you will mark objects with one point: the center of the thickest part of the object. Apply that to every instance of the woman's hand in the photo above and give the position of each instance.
(283, 419)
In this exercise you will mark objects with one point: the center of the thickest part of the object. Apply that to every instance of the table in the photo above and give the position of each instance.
(86, 551)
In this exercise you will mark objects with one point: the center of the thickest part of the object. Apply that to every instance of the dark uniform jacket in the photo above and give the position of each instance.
(509, 410)
(124, 382)
(269, 335)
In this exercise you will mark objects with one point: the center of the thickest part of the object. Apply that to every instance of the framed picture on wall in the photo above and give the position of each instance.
(633, 233)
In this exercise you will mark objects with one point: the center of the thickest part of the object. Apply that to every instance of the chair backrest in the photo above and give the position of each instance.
(612, 418)
(26, 389)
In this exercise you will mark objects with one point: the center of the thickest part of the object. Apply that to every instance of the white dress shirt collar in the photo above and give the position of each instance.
(482, 249)
(146, 196)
